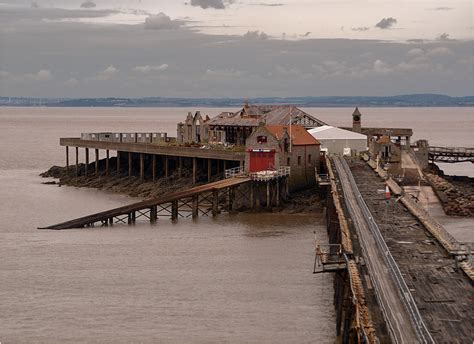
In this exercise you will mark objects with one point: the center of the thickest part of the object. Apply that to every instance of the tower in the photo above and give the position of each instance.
(356, 121)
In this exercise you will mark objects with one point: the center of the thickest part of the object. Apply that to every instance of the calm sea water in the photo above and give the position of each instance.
(244, 278)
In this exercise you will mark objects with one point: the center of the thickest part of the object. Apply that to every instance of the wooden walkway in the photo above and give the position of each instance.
(200, 199)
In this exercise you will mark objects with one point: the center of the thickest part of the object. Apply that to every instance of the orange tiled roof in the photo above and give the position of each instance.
(299, 135)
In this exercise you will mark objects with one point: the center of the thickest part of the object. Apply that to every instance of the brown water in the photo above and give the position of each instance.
(244, 278)
(238, 279)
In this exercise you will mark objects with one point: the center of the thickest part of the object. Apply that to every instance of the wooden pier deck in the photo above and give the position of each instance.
(168, 205)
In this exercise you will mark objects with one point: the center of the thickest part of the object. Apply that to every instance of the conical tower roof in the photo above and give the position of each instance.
(356, 112)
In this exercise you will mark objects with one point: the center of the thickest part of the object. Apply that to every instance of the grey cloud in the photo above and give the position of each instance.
(13, 14)
(362, 28)
(161, 21)
(218, 65)
(256, 35)
(444, 37)
(88, 4)
(386, 23)
(34, 4)
(217, 4)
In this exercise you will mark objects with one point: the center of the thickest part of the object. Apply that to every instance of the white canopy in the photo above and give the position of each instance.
(327, 132)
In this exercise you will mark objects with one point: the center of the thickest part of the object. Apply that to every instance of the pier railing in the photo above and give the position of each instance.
(263, 176)
(234, 172)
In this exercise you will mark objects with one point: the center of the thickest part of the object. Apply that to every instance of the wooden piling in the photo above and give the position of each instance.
(209, 170)
(194, 170)
(153, 214)
(142, 166)
(129, 164)
(224, 166)
(67, 159)
(268, 195)
(107, 157)
(278, 192)
(215, 202)
(180, 166)
(77, 161)
(96, 161)
(87, 162)
(153, 167)
(251, 195)
(166, 166)
(118, 164)
(195, 206)
(174, 210)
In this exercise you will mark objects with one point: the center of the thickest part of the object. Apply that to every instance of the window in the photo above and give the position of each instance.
(261, 139)
(288, 162)
(309, 158)
(299, 159)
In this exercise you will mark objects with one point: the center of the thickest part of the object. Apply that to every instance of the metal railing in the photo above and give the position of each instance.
(420, 327)
(234, 172)
(271, 174)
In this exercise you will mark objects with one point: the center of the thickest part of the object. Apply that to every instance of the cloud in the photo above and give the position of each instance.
(444, 37)
(269, 4)
(386, 23)
(88, 4)
(362, 28)
(443, 9)
(161, 21)
(216, 4)
(415, 52)
(148, 69)
(108, 73)
(225, 73)
(71, 82)
(15, 14)
(439, 51)
(255, 35)
(34, 4)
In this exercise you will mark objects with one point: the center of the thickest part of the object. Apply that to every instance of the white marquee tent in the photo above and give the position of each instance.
(339, 141)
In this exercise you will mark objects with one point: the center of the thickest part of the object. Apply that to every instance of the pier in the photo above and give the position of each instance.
(451, 154)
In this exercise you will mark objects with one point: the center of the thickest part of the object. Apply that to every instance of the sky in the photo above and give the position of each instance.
(235, 48)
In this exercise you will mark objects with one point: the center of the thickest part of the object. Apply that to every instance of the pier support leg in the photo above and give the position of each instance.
(153, 167)
(231, 198)
(111, 221)
(142, 166)
(129, 218)
(107, 157)
(215, 202)
(87, 162)
(224, 166)
(251, 195)
(153, 214)
(278, 192)
(134, 217)
(180, 166)
(77, 161)
(174, 210)
(97, 162)
(118, 164)
(166, 167)
(67, 159)
(209, 170)
(194, 170)
(268, 195)
(129, 164)
(195, 206)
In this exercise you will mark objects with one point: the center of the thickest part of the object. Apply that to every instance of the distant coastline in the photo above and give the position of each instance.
(409, 100)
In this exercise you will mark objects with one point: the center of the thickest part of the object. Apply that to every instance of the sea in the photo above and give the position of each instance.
(244, 278)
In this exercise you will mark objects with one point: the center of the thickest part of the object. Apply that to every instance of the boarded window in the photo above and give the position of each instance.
(288, 162)
(299, 159)
(261, 139)
(309, 158)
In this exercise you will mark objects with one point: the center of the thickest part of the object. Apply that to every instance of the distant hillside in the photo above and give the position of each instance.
(421, 100)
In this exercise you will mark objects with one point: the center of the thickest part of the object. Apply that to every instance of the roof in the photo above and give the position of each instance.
(357, 112)
(384, 140)
(299, 135)
(252, 115)
(327, 132)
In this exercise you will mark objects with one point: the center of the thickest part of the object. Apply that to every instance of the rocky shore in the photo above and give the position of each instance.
(455, 193)
(303, 202)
